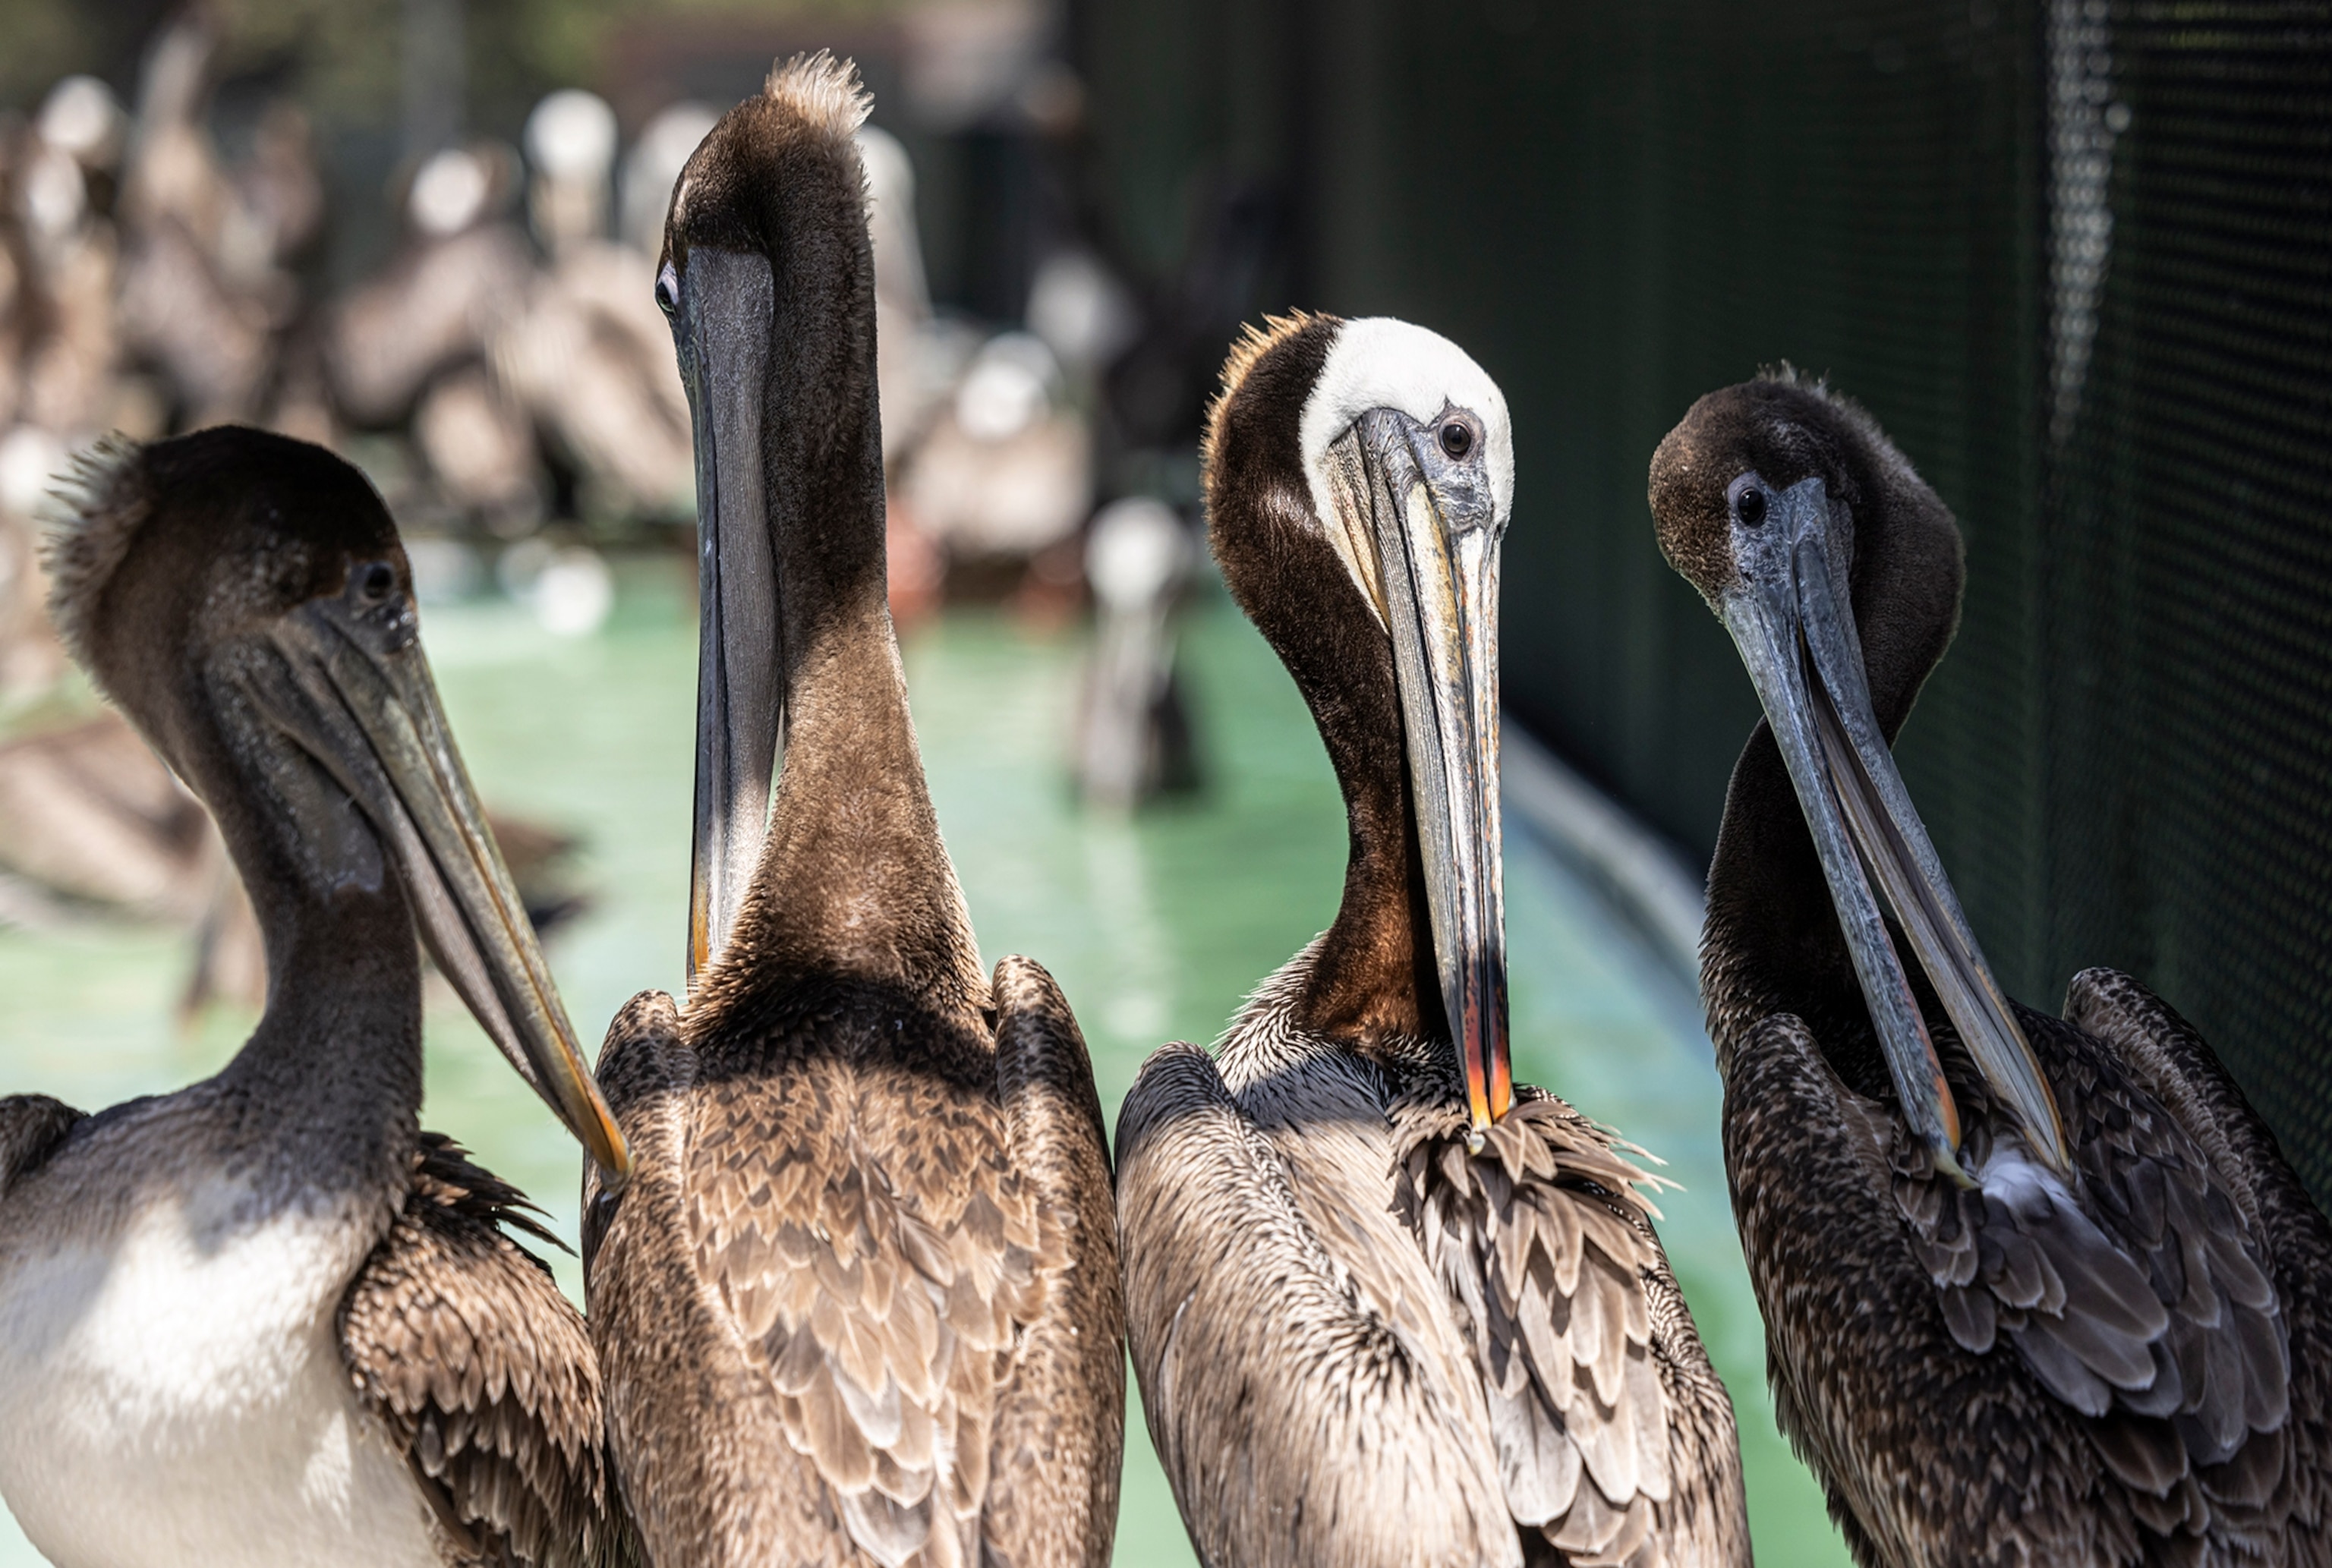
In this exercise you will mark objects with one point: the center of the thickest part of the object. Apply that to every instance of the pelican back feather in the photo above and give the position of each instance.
(855, 1260)
(2094, 1369)
(461, 1345)
(1311, 1400)
(1060, 1419)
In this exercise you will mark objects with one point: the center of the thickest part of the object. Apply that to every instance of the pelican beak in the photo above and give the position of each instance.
(1789, 617)
(721, 310)
(1435, 552)
(362, 701)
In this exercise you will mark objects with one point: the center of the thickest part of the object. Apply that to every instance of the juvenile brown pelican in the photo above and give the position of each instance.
(1386, 1307)
(267, 1317)
(2035, 1291)
(859, 1302)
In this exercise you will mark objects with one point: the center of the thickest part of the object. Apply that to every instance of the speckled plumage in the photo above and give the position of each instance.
(1359, 1342)
(859, 1302)
(2128, 1365)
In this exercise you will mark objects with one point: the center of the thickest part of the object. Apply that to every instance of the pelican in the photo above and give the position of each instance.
(1134, 728)
(2036, 1290)
(859, 1302)
(1385, 1305)
(267, 1317)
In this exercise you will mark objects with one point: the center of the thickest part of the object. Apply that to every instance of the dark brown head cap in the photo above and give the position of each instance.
(1251, 443)
(767, 154)
(1781, 428)
(158, 551)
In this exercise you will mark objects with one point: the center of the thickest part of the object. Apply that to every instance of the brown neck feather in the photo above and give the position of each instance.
(1372, 976)
(854, 880)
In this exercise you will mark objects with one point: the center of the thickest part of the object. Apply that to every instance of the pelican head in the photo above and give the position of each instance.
(243, 598)
(1360, 478)
(1837, 570)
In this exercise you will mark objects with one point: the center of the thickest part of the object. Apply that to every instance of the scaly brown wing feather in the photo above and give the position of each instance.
(461, 1345)
(2287, 1508)
(691, 1422)
(1060, 1423)
(1615, 1439)
(2139, 1289)
(2112, 1336)
(878, 1255)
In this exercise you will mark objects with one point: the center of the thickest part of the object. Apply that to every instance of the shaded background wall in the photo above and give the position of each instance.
(2075, 255)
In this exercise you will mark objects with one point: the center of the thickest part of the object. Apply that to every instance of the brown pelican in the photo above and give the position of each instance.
(2035, 1290)
(859, 1302)
(463, 272)
(1004, 469)
(204, 295)
(1386, 1306)
(268, 1316)
(1134, 729)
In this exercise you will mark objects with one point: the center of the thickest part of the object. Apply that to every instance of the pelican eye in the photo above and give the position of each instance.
(667, 290)
(376, 581)
(1751, 507)
(1457, 439)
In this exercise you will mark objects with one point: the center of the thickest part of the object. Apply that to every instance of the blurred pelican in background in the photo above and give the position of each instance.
(652, 167)
(205, 291)
(590, 358)
(1007, 467)
(414, 342)
(64, 253)
(1133, 733)
(911, 365)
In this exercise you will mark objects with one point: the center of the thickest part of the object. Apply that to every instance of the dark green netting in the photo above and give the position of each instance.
(2076, 256)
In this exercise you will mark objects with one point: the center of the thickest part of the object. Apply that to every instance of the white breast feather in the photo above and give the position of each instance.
(174, 1394)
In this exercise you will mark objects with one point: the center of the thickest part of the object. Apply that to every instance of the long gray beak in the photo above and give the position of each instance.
(1789, 617)
(366, 707)
(1437, 581)
(720, 329)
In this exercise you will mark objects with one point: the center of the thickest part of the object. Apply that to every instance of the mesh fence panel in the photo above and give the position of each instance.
(2074, 255)
(2186, 578)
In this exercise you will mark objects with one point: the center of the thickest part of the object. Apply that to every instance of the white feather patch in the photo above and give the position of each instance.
(1378, 362)
(171, 1391)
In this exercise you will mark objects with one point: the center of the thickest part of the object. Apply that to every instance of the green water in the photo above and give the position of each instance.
(1155, 926)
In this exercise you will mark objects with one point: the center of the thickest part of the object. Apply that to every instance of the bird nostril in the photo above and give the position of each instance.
(1751, 507)
(1457, 439)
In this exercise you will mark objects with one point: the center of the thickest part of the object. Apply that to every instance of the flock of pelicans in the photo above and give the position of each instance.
(860, 1267)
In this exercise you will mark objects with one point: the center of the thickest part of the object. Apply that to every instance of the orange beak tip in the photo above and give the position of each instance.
(614, 1161)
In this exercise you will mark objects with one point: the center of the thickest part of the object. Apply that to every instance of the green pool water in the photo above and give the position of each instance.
(1156, 925)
